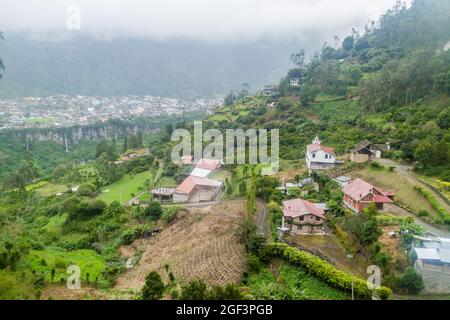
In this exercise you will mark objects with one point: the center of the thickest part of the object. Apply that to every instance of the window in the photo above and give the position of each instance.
(302, 218)
(326, 156)
(313, 155)
(317, 219)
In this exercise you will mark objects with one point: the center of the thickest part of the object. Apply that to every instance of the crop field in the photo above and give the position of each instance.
(281, 280)
(202, 244)
(124, 189)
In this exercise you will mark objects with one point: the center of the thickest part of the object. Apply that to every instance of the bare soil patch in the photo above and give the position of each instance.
(202, 244)
(61, 292)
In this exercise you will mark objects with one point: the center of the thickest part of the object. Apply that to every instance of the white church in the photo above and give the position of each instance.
(319, 157)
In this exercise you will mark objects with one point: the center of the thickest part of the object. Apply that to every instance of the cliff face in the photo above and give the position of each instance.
(77, 134)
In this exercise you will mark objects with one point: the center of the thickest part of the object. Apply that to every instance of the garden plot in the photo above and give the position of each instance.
(202, 244)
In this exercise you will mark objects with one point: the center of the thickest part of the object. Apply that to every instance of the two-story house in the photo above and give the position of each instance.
(302, 217)
(359, 194)
(319, 157)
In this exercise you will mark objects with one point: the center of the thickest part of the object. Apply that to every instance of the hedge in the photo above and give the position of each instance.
(325, 271)
(435, 204)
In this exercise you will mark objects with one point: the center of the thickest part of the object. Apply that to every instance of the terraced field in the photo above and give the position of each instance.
(202, 244)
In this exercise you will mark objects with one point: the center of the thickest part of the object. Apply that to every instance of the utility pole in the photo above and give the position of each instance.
(353, 290)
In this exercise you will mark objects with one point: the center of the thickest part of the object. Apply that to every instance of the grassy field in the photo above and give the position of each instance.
(438, 184)
(281, 280)
(50, 188)
(328, 246)
(393, 181)
(87, 260)
(124, 189)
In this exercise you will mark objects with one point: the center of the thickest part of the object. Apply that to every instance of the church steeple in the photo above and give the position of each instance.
(316, 140)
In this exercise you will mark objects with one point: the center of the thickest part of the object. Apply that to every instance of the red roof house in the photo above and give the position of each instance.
(208, 164)
(196, 189)
(359, 194)
(302, 217)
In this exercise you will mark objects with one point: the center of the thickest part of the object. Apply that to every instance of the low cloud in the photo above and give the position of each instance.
(206, 20)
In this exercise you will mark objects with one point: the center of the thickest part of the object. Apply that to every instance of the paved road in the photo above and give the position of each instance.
(262, 218)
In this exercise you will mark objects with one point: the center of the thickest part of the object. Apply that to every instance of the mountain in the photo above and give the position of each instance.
(38, 66)
(390, 84)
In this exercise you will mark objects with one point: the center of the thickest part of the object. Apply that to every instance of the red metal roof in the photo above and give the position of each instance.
(208, 164)
(381, 199)
(316, 147)
(188, 185)
(299, 207)
(358, 189)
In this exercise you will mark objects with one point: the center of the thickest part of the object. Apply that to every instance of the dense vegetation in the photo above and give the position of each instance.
(390, 84)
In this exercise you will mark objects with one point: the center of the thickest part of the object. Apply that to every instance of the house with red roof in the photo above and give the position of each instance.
(359, 194)
(197, 189)
(302, 217)
(320, 157)
(208, 164)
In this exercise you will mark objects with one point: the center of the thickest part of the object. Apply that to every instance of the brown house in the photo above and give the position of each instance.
(302, 217)
(359, 194)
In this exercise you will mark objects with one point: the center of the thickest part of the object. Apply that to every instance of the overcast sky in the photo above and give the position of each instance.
(210, 20)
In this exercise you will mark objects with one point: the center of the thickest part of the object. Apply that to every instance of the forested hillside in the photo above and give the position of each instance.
(391, 83)
(172, 68)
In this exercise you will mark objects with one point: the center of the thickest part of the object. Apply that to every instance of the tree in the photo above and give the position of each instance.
(229, 292)
(411, 281)
(153, 288)
(298, 58)
(308, 93)
(348, 43)
(154, 210)
(86, 190)
(286, 103)
(371, 232)
(194, 290)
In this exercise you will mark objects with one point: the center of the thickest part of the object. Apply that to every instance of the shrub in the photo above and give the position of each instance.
(86, 190)
(325, 271)
(154, 210)
(194, 290)
(253, 263)
(411, 281)
(423, 213)
(153, 288)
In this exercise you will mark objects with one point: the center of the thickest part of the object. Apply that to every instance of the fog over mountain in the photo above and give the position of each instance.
(169, 48)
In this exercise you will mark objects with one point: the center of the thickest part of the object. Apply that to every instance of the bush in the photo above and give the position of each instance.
(423, 213)
(253, 263)
(153, 288)
(86, 190)
(154, 210)
(194, 290)
(170, 214)
(325, 271)
(411, 281)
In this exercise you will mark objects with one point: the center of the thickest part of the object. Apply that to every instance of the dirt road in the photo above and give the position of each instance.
(406, 171)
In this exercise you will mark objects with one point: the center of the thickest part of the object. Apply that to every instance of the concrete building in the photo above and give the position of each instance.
(303, 217)
(433, 264)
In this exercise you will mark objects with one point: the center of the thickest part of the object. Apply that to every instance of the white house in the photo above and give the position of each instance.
(319, 157)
